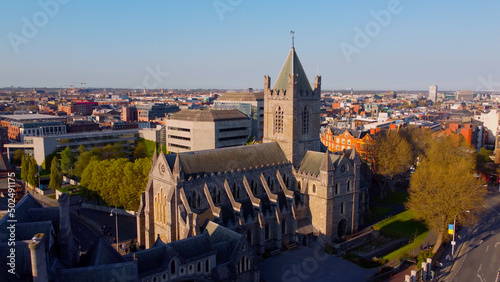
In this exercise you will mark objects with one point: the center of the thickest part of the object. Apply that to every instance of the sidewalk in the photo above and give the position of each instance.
(446, 273)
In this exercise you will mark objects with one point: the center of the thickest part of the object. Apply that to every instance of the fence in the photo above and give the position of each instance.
(108, 209)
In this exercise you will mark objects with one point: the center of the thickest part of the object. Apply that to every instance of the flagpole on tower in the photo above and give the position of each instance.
(292, 32)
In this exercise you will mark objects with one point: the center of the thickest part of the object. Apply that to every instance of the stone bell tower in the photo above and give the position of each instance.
(291, 110)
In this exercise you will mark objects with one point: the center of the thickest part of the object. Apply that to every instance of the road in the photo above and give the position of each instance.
(477, 257)
(83, 234)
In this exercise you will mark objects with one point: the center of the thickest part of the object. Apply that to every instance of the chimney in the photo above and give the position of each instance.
(65, 236)
(38, 264)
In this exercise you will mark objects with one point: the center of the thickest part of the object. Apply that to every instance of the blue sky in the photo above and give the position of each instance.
(233, 43)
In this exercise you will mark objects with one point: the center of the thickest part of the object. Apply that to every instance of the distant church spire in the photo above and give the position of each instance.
(292, 32)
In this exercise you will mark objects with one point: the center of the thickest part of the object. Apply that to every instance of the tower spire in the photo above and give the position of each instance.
(292, 32)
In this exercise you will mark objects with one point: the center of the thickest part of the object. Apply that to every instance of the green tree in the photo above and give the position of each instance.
(25, 167)
(55, 175)
(33, 172)
(81, 149)
(117, 181)
(48, 161)
(393, 157)
(140, 150)
(443, 185)
(67, 160)
(419, 140)
(18, 157)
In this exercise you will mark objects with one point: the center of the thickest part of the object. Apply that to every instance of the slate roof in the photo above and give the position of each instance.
(312, 161)
(101, 253)
(192, 248)
(208, 115)
(224, 240)
(231, 158)
(355, 133)
(242, 96)
(4, 163)
(293, 66)
(22, 214)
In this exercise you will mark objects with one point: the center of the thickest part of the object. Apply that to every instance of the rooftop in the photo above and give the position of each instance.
(242, 96)
(28, 117)
(208, 115)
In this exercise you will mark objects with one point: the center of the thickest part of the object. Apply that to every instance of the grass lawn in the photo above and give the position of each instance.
(377, 212)
(394, 198)
(68, 190)
(403, 225)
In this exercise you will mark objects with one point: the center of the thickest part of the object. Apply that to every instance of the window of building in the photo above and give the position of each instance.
(314, 188)
(305, 120)
(343, 141)
(342, 208)
(337, 189)
(283, 227)
(278, 120)
(348, 141)
(348, 185)
(243, 265)
(173, 266)
(207, 266)
(267, 232)
(337, 147)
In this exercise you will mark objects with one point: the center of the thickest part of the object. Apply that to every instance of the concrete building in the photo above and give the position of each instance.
(462, 96)
(42, 146)
(21, 126)
(249, 103)
(193, 130)
(433, 93)
(284, 191)
(490, 121)
(157, 134)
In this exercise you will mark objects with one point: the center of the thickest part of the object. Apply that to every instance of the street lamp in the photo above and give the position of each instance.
(116, 222)
(453, 243)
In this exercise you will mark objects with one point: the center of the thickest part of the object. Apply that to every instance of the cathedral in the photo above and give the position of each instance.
(250, 200)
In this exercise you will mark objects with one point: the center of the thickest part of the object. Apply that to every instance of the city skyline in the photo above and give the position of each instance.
(405, 45)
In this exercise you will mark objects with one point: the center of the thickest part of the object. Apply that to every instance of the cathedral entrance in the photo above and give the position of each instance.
(342, 228)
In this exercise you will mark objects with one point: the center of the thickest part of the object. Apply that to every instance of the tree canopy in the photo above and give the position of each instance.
(140, 150)
(55, 175)
(118, 181)
(444, 186)
(67, 160)
(18, 157)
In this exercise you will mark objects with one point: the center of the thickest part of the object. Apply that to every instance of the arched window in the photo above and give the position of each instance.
(207, 266)
(342, 208)
(349, 185)
(173, 266)
(305, 120)
(243, 264)
(198, 267)
(278, 120)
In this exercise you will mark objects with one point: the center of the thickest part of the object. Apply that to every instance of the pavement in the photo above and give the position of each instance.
(311, 264)
(477, 253)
